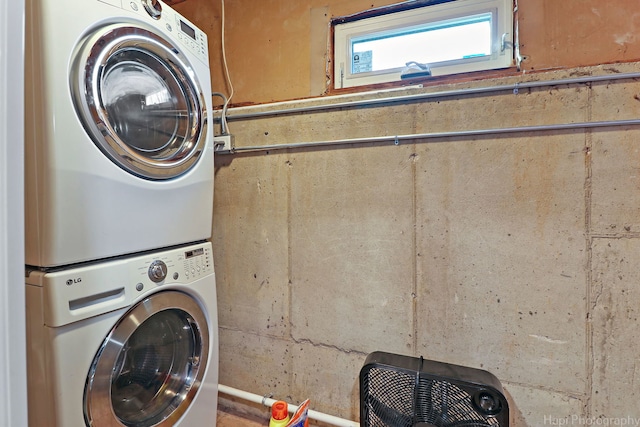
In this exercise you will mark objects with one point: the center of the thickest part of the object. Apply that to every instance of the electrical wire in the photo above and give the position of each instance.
(223, 122)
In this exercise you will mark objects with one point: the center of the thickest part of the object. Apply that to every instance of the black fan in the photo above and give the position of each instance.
(403, 391)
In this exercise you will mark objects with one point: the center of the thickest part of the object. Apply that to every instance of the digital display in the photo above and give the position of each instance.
(187, 30)
(195, 252)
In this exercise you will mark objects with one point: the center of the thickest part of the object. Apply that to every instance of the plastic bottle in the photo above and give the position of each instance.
(279, 414)
(301, 416)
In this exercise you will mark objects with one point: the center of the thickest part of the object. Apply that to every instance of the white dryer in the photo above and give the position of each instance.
(119, 148)
(130, 342)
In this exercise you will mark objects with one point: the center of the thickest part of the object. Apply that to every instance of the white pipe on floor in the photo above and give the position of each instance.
(267, 401)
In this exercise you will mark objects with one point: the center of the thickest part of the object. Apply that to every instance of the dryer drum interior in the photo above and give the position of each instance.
(150, 366)
(138, 98)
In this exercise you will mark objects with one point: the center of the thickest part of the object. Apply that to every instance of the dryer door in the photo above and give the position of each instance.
(139, 100)
(150, 366)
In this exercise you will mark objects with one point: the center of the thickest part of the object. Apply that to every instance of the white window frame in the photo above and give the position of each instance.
(501, 50)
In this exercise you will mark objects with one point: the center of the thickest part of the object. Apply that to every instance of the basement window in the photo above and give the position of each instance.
(438, 39)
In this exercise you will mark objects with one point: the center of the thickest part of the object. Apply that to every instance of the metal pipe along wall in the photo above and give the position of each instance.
(424, 137)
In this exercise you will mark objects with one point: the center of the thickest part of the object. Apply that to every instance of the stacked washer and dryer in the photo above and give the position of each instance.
(120, 286)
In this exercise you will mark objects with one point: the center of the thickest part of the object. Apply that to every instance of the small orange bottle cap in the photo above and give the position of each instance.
(279, 410)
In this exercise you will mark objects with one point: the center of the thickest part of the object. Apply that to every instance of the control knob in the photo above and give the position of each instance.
(157, 271)
(153, 8)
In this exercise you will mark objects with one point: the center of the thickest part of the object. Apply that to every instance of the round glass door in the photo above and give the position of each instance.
(151, 364)
(139, 100)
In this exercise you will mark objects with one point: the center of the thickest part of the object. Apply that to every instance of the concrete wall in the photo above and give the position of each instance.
(514, 253)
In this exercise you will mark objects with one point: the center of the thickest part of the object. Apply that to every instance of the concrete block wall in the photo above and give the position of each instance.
(514, 253)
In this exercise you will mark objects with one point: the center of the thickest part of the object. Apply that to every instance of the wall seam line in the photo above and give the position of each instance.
(589, 261)
(289, 168)
(414, 264)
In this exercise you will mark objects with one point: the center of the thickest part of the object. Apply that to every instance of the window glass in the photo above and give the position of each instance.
(446, 38)
(461, 39)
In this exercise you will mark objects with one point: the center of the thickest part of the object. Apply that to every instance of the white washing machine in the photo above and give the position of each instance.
(119, 148)
(129, 342)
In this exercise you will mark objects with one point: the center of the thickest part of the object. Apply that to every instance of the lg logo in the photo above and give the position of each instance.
(73, 281)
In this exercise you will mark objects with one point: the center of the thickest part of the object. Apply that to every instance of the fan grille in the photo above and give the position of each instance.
(393, 399)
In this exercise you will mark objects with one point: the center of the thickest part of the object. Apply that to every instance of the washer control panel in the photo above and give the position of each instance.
(181, 266)
(73, 294)
(197, 262)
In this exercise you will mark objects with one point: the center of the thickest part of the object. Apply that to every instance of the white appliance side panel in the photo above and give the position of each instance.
(13, 387)
(42, 402)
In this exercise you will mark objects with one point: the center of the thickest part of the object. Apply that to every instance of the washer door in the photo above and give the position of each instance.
(151, 364)
(138, 98)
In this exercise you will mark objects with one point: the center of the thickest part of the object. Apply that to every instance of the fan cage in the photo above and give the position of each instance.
(396, 397)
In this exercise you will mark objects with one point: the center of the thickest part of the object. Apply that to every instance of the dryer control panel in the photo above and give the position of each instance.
(180, 28)
(191, 37)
